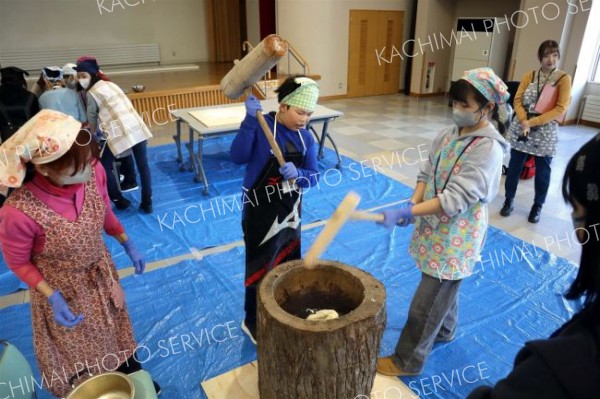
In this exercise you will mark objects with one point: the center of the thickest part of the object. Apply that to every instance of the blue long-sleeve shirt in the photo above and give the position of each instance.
(250, 146)
(64, 100)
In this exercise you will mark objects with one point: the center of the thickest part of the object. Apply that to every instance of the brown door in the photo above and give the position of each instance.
(373, 69)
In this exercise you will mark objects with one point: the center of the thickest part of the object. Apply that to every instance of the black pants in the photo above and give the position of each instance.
(141, 160)
(542, 176)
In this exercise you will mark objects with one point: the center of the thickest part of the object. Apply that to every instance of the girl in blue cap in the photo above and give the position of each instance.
(109, 109)
(450, 212)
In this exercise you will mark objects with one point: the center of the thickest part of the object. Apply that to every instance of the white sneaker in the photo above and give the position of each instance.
(247, 332)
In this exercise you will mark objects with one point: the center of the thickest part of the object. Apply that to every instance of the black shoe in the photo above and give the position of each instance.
(127, 187)
(122, 203)
(156, 387)
(507, 208)
(534, 215)
(250, 331)
(147, 207)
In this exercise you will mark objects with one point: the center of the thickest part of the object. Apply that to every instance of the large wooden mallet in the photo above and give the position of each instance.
(250, 70)
(334, 224)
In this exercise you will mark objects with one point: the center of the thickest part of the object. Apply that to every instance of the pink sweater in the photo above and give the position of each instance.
(21, 237)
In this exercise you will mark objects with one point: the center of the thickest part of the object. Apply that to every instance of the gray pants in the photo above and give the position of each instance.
(432, 317)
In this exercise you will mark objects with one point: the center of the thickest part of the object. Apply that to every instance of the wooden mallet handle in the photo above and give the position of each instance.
(334, 224)
(269, 135)
(368, 216)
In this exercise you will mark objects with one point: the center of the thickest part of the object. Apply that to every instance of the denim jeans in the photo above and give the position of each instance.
(432, 316)
(542, 176)
(141, 161)
(127, 169)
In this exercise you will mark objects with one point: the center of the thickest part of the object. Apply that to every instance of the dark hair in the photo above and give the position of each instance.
(575, 188)
(95, 79)
(548, 47)
(14, 79)
(288, 86)
(77, 155)
(41, 83)
(460, 91)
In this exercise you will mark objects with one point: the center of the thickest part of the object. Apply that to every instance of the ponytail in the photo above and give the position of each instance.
(496, 118)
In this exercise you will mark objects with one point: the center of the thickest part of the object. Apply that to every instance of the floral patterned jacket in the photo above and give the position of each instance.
(464, 173)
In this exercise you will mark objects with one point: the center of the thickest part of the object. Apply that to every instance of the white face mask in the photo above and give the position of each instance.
(465, 118)
(80, 177)
(85, 82)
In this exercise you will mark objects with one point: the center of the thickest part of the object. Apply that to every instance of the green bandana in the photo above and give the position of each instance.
(305, 96)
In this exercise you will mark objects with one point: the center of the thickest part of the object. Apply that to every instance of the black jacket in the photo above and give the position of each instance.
(17, 106)
(567, 365)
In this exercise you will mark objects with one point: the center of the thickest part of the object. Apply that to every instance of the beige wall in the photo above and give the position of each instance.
(437, 18)
(179, 26)
(531, 31)
(571, 54)
(319, 29)
(434, 19)
(253, 21)
(586, 58)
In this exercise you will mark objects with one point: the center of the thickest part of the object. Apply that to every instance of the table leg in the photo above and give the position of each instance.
(325, 134)
(177, 139)
(201, 165)
(193, 160)
(312, 129)
(322, 140)
(337, 153)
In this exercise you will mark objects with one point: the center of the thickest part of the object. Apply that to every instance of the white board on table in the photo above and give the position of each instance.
(220, 116)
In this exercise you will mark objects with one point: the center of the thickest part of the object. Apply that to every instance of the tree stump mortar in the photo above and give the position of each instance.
(325, 359)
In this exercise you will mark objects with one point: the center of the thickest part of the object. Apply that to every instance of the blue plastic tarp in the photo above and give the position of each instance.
(200, 302)
(184, 218)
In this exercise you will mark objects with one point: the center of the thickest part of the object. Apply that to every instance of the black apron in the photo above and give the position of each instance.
(271, 225)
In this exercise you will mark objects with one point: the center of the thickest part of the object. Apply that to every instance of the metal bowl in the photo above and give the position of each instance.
(138, 88)
(112, 385)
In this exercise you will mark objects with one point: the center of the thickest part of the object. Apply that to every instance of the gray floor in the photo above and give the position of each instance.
(393, 133)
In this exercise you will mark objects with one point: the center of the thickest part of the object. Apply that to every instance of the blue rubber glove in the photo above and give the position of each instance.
(398, 217)
(99, 135)
(252, 105)
(289, 171)
(62, 312)
(139, 262)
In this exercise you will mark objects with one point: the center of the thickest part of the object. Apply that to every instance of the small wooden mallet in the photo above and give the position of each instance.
(334, 224)
(367, 216)
(370, 216)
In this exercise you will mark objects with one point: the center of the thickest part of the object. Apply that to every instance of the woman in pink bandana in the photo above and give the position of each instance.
(51, 237)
